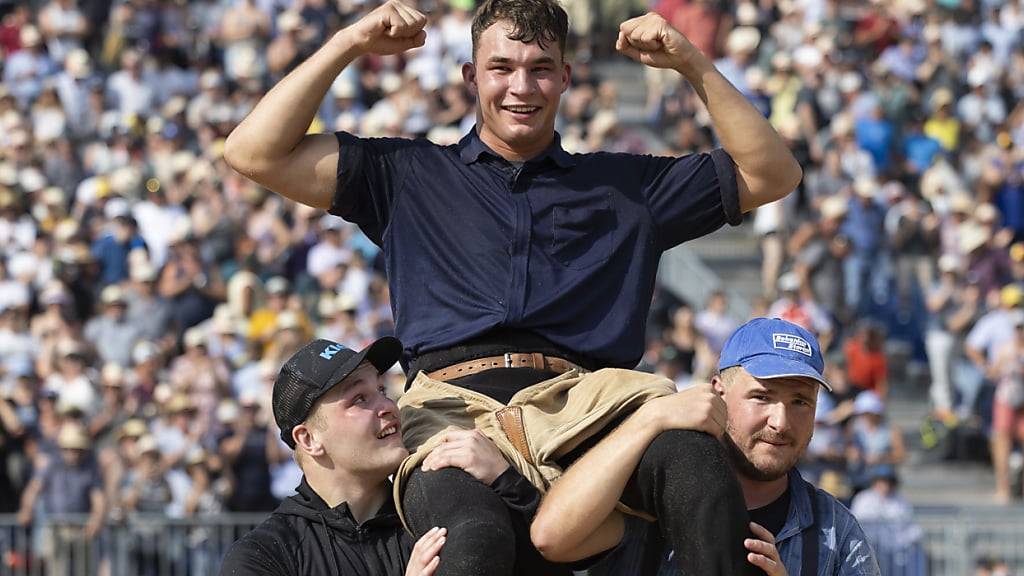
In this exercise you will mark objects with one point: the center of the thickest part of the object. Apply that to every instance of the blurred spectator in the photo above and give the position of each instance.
(939, 340)
(112, 248)
(69, 485)
(113, 333)
(147, 310)
(888, 520)
(873, 442)
(27, 69)
(714, 323)
(1008, 408)
(990, 567)
(146, 491)
(191, 285)
(796, 304)
(70, 382)
(64, 27)
(865, 266)
(867, 366)
(818, 249)
(995, 330)
(245, 452)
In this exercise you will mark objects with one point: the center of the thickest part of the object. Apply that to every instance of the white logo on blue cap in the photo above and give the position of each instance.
(791, 343)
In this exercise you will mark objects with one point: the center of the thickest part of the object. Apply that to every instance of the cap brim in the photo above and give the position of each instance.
(382, 353)
(768, 367)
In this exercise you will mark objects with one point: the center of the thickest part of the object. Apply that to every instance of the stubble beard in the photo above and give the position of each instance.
(747, 468)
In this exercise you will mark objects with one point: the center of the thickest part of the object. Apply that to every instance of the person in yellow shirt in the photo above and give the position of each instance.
(942, 125)
(264, 321)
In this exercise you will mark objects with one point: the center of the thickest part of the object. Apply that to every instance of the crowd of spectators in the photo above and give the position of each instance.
(148, 294)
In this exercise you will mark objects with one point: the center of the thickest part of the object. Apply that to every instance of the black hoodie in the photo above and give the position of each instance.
(305, 536)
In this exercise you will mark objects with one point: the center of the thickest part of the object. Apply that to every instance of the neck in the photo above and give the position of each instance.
(510, 153)
(363, 496)
(757, 493)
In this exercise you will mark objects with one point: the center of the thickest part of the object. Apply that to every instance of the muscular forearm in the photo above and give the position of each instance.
(583, 500)
(765, 167)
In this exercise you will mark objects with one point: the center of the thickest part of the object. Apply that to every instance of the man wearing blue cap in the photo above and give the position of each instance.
(769, 372)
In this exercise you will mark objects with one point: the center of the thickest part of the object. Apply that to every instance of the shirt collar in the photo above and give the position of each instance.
(471, 147)
(800, 514)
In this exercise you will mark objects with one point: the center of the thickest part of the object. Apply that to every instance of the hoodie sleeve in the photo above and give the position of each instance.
(252, 557)
(517, 492)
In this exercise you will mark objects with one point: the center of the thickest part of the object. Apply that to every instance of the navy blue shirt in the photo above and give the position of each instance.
(565, 246)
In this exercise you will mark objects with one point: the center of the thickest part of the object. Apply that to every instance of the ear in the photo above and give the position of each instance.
(718, 385)
(566, 76)
(306, 441)
(469, 77)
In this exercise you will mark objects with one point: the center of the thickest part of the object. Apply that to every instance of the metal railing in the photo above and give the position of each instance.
(151, 545)
(949, 542)
(945, 542)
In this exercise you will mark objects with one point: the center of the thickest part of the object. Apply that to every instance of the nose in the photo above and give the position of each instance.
(521, 82)
(778, 417)
(387, 407)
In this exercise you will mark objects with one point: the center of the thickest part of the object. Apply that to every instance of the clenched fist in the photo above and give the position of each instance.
(391, 28)
(650, 40)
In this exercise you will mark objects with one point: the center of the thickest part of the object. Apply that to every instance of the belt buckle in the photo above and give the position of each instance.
(508, 359)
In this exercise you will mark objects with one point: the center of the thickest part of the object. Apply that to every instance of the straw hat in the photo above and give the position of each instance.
(865, 187)
(195, 337)
(743, 39)
(147, 445)
(112, 294)
(835, 207)
(77, 64)
(73, 437)
(134, 428)
(178, 403)
(30, 36)
(289, 20)
(972, 237)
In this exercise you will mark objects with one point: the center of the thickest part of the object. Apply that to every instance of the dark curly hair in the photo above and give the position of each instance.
(540, 21)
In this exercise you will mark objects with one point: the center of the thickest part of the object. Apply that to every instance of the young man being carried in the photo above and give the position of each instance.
(520, 274)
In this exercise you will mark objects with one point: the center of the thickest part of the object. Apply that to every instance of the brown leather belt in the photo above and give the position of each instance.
(535, 360)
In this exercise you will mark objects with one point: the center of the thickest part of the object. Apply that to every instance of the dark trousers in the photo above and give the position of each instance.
(683, 479)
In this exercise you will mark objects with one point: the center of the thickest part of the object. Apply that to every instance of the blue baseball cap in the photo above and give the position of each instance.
(774, 348)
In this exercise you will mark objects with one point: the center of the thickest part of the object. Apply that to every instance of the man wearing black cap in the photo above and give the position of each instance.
(329, 402)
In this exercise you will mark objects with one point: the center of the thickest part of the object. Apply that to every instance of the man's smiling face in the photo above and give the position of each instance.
(518, 87)
(359, 425)
(770, 422)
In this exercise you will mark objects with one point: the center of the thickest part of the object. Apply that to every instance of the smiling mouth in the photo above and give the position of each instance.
(390, 430)
(521, 109)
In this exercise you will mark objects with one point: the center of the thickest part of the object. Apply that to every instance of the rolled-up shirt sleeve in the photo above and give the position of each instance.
(692, 195)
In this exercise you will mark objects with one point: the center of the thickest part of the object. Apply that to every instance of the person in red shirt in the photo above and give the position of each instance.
(699, 20)
(10, 29)
(866, 366)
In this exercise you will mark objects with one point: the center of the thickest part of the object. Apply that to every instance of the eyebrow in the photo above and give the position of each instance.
(505, 60)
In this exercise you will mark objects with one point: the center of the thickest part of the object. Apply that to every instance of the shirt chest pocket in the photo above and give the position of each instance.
(582, 236)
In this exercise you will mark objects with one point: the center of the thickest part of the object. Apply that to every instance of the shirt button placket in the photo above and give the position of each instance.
(521, 224)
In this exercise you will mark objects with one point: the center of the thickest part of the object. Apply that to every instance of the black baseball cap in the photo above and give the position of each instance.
(315, 369)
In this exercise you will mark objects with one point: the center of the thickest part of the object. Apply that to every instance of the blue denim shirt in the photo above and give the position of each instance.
(565, 246)
(842, 547)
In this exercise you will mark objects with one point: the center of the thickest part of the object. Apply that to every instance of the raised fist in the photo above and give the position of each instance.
(391, 28)
(650, 40)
